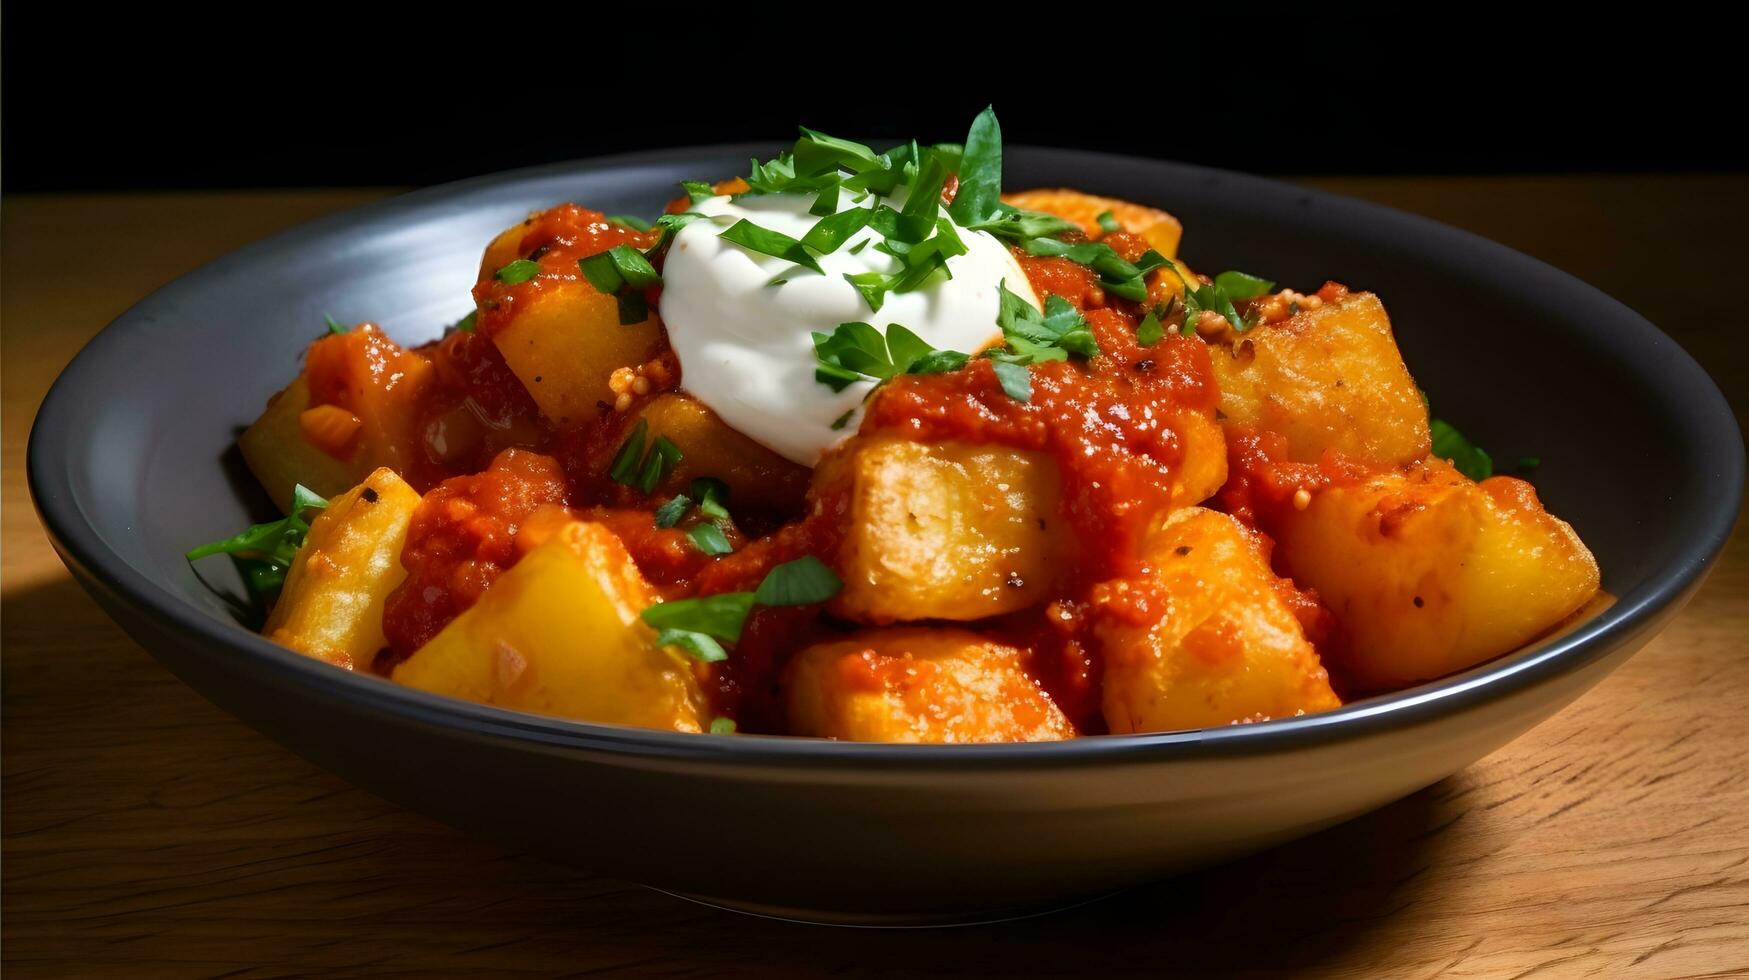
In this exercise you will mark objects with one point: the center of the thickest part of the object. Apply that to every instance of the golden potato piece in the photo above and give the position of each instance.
(1205, 639)
(565, 341)
(1160, 229)
(1430, 573)
(559, 634)
(944, 530)
(331, 607)
(1329, 378)
(919, 684)
(756, 476)
(281, 458)
(1203, 467)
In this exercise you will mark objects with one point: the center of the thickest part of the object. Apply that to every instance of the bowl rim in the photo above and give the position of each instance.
(97, 566)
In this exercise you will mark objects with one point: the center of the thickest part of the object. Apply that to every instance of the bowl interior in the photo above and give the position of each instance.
(1638, 450)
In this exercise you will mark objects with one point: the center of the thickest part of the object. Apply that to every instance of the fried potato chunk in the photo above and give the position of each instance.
(1329, 378)
(1430, 573)
(1204, 638)
(1161, 230)
(331, 607)
(560, 634)
(565, 341)
(281, 457)
(756, 476)
(919, 685)
(944, 530)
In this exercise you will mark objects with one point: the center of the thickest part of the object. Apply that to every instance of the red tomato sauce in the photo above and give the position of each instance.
(555, 239)
(463, 535)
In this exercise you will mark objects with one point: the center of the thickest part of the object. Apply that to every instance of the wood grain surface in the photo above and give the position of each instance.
(147, 833)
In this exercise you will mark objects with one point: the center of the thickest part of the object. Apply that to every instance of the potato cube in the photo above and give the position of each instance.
(563, 344)
(919, 684)
(1205, 638)
(281, 458)
(1329, 378)
(1430, 573)
(331, 607)
(944, 530)
(1161, 230)
(756, 477)
(560, 634)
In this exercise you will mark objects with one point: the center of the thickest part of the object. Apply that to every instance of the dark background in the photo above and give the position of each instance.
(238, 99)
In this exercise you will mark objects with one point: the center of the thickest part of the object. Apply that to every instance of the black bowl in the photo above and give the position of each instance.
(128, 464)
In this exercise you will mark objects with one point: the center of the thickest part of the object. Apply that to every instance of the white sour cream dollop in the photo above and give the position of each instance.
(746, 347)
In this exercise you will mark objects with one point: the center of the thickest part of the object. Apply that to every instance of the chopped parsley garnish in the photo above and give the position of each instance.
(1469, 459)
(712, 495)
(722, 726)
(698, 627)
(1219, 296)
(753, 238)
(858, 351)
(630, 221)
(835, 229)
(1108, 222)
(633, 467)
(697, 190)
(671, 512)
(980, 172)
(1150, 331)
(710, 539)
(622, 272)
(466, 323)
(264, 553)
(521, 270)
(1060, 326)
(335, 327)
(1015, 379)
(802, 582)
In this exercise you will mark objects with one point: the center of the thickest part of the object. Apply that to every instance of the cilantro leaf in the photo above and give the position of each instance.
(519, 271)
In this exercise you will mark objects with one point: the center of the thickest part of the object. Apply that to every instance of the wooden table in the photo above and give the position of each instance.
(146, 832)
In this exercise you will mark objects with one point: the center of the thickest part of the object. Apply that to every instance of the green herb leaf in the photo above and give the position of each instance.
(628, 460)
(855, 351)
(264, 552)
(466, 324)
(871, 286)
(1013, 224)
(817, 153)
(1236, 286)
(980, 171)
(1108, 222)
(664, 456)
(698, 646)
(1466, 456)
(1015, 379)
(521, 270)
(1528, 463)
(802, 582)
(753, 238)
(834, 230)
(721, 616)
(710, 539)
(670, 513)
(1060, 325)
(1150, 331)
(697, 190)
(335, 327)
(712, 495)
(629, 221)
(722, 726)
